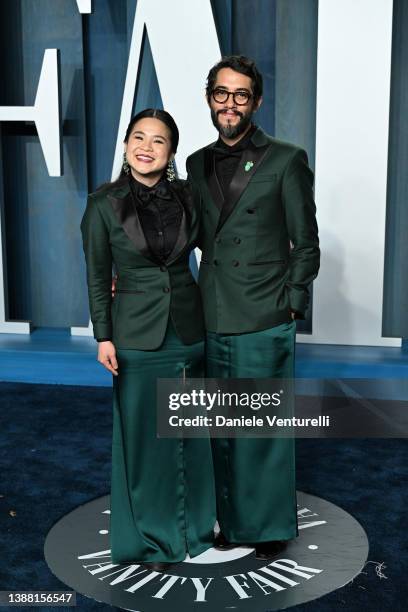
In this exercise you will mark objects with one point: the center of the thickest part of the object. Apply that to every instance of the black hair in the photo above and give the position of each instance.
(241, 64)
(164, 117)
(155, 113)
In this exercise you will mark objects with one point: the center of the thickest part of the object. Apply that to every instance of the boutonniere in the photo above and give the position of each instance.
(248, 166)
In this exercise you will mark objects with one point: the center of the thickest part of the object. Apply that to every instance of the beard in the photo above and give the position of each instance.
(231, 131)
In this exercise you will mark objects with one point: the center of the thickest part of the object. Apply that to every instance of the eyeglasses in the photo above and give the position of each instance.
(222, 95)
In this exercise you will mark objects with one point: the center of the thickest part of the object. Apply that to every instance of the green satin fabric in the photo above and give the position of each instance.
(255, 478)
(162, 490)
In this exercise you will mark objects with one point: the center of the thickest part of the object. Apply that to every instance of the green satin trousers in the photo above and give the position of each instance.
(255, 478)
(162, 490)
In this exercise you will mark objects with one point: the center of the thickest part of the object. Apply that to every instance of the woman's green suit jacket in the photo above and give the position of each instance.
(148, 291)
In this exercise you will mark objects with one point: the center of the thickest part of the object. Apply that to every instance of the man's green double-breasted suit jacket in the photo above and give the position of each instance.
(148, 291)
(260, 247)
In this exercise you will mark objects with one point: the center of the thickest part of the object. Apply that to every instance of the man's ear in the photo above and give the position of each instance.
(258, 104)
(207, 99)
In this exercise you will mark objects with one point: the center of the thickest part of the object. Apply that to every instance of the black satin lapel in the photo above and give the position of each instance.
(183, 234)
(212, 180)
(126, 213)
(250, 162)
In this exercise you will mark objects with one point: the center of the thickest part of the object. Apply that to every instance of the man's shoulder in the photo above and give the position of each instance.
(181, 186)
(197, 155)
(283, 146)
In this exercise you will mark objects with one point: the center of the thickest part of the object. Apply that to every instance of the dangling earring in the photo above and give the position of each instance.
(170, 172)
(125, 165)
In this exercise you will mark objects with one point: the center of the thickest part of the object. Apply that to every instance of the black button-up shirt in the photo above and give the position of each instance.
(228, 157)
(160, 215)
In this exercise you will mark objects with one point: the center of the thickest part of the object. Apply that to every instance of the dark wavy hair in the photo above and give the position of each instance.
(241, 64)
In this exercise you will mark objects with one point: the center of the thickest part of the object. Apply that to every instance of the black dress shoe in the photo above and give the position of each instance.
(221, 542)
(157, 566)
(268, 550)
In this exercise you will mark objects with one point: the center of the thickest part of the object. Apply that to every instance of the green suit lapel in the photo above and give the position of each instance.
(123, 204)
(126, 213)
(186, 202)
(249, 163)
(251, 160)
(213, 183)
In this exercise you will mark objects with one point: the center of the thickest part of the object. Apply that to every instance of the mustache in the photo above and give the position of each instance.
(233, 110)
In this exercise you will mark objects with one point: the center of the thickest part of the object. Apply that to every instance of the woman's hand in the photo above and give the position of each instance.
(114, 281)
(107, 356)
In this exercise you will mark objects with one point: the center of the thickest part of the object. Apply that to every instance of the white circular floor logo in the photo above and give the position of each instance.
(330, 551)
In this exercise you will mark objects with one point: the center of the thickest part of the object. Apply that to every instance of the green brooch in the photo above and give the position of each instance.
(248, 166)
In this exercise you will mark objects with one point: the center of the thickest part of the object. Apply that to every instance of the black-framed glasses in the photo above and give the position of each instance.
(222, 95)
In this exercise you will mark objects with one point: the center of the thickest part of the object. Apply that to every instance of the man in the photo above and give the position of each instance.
(260, 252)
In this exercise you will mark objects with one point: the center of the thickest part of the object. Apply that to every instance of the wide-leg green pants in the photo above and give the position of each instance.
(255, 478)
(162, 490)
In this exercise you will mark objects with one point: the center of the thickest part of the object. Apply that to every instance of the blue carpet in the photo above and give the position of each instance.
(53, 356)
(55, 455)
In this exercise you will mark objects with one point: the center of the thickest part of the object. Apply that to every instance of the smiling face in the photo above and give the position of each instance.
(148, 150)
(232, 120)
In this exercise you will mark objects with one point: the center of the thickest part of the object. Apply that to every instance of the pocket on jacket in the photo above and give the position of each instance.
(264, 178)
(128, 291)
(266, 263)
(271, 271)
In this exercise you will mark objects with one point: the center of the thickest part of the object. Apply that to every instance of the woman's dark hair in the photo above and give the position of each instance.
(155, 113)
(241, 64)
(164, 117)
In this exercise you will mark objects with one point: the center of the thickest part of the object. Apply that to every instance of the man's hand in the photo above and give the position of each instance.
(114, 281)
(293, 315)
(107, 356)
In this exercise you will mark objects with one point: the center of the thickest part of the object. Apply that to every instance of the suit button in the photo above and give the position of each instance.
(237, 240)
(250, 211)
(217, 239)
(166, 289)
(215, 262)
(235, 263)
(163, 268)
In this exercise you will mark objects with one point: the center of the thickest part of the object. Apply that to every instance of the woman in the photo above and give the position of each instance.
(162, 490)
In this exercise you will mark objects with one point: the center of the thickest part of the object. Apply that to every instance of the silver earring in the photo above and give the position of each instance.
(170, 172)
(125, 165)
